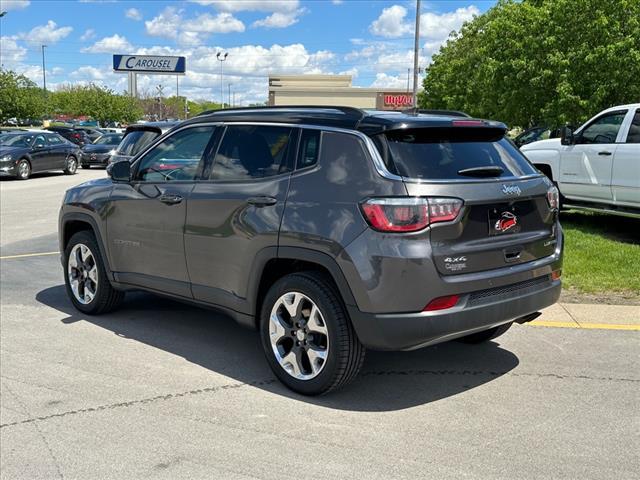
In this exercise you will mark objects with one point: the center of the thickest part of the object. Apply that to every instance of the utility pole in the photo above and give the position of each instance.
(177, 91)
(221, 58)
(416, 54)
(44, 72)
(234, 100)
(229, 96)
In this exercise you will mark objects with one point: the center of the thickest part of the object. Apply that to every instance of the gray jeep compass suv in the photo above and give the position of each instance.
(328, 229)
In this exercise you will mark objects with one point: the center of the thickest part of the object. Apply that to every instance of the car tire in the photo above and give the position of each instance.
(85, 276)
(23, 169)
(288, 340)
(71, 165)
(486, 335)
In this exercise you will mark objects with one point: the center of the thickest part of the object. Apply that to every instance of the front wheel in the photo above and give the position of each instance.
(307, 336)
(71, 165)
(23, 169)
(486, 335)
(86, 280)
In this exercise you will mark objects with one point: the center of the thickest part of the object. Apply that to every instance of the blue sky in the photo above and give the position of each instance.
(371, 40)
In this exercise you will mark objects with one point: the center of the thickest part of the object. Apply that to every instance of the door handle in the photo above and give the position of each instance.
(170, 198)
(262, 201)
(604, 153)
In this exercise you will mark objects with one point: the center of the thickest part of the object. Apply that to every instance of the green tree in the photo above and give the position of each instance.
(99, 103)
(19, 97)
(540, 61)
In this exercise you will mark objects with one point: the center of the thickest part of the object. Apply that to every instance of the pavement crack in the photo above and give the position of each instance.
(142, 401)
(570, 315)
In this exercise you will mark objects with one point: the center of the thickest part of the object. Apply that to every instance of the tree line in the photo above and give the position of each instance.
(21, 98)
(536, 62)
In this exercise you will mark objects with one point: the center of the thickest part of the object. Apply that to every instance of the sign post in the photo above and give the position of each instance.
(150, 64)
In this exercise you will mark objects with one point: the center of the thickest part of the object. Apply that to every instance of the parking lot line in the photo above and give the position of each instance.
(593, 326)
(25, 255)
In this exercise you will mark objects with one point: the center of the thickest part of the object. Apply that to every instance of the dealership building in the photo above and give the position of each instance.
(333, 90)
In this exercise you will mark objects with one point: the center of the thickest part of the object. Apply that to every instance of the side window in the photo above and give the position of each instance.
(175, 158)
(251, 152)
(54, 140)
(39, 141)
(604, 129)
(634, 130)
(309, 148)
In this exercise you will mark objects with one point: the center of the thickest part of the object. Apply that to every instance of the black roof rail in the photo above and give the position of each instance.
(352, 111)
(448, 113)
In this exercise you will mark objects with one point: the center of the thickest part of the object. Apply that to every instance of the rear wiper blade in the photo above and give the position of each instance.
(488, 171)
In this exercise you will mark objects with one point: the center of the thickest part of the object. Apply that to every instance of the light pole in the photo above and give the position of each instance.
(416, 52)
(44, 72)
(221, 58)
(229, 96)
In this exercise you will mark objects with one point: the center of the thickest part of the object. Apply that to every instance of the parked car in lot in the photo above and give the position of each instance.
(597, 167)
(328, 229)
(92, 132)
(137, 137)
(98, 152)
(24, 153)
(79, 137)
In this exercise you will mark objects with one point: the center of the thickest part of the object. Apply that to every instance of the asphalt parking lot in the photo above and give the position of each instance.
(160, 389)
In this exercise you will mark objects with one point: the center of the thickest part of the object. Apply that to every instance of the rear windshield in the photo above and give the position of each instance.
(441, 154)
(135, 141)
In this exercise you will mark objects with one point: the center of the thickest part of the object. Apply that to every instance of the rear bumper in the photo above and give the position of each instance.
(474, 312)
(87, 160)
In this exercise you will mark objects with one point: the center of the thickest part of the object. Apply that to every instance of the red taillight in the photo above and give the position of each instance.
(409, 214)
(468, 123)
(556, 274)
(442, 303)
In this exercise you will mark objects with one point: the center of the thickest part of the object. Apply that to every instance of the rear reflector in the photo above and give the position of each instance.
(409, 214)
(442, 303)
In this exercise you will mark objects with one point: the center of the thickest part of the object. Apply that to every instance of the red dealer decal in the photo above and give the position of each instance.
(398, 100)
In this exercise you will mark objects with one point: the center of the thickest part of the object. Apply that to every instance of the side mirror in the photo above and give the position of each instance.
(120, 171)
(566, 136)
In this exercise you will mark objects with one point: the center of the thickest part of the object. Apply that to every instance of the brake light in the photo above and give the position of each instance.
(468, 123)
(556, 274)
(553, 198)
(442, 303)
(409, 214)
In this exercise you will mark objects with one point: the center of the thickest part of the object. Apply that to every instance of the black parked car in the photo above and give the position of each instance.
(98, 152)
(137, 137)
(329, 230)
(92, 132)
(24, 153)
(79, 137)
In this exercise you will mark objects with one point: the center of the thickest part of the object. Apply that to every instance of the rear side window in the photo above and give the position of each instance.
(55, 140)
(634, 130)
(309, 148)
(135, 141)
(443, 153)
(250, 152)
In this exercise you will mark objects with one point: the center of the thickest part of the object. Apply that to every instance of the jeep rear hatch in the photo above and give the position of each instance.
(506, 218)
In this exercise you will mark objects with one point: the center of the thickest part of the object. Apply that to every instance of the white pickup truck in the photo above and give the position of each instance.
(597, 167)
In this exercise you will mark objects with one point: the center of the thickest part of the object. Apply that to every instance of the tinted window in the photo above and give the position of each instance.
(603, 130)
(252, 151)
(309, 148)
(634, 130)
(17, 140)
(175, 158)
(39, 141)
(439, 154)
(55, 140)
(108, 140)
(136, 140)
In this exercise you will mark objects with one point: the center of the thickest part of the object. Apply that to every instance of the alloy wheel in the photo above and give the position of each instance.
(72, 165)
(83, 273)
(298, 335)
(23, 169)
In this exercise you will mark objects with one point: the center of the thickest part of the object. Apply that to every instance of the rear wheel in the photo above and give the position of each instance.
(307, 336)
(486, 335)
(23, 169)
(86, 279)
(71, 165)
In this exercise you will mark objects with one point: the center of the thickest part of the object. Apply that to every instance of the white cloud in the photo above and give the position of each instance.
(337, 2)
(166, 24)
(222, 23)
(45, 34)
(89, 34)
(57, 70)
(113, 44)
(89, 73)
(438, 26)
(391, 23)
(133, 14)
(278, 20)
(10, 51)
(389, 81)
(252, 5)
(7, 5)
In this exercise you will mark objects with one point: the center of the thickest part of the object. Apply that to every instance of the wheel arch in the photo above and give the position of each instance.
(272, 264)
(74, 222)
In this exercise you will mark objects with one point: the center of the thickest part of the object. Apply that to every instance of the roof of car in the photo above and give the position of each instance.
(367, 121)
(162, 126)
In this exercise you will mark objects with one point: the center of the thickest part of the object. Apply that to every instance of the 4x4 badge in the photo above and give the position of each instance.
(511, 190)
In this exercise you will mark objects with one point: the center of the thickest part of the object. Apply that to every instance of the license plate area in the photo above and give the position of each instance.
(504, 220)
